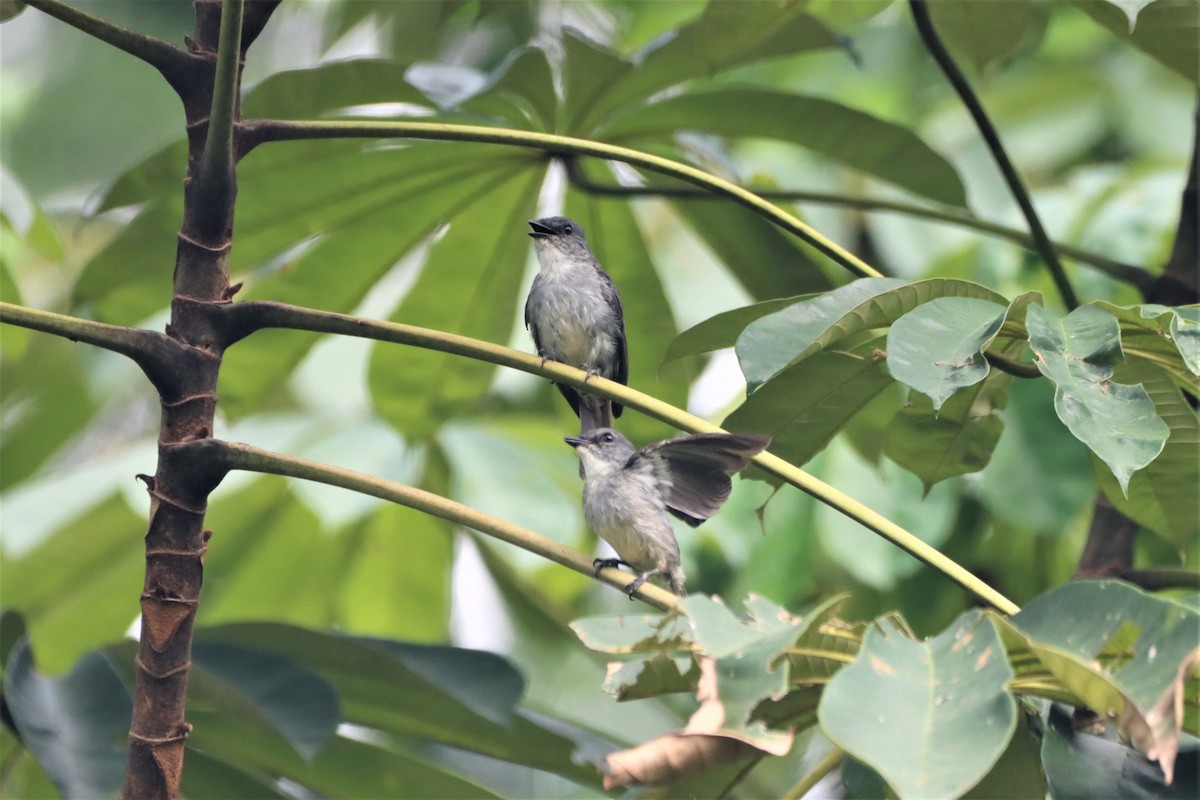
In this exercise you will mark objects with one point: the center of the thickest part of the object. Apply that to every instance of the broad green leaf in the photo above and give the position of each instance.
(479, 263)
(378, 687)
(326, 90)
(1167, 30)
(1038, 477)
(205, 776)
(1117, 421)
(725, 35)
(1018, 773)
(1162, 497)
(1150, 643)
(766, 260)
(986, 31)
(634, 633)
(46, 402)
(937, 348)
(931, 717)
(397, 578)
(589, 70)
(75, 725)
(1177, 326)
(78, 588)
(807, 404)
(769, 344)
(840, 15)
(1083, 765)
(521, 90)
(824, 647)
(774, 342)
(722, 330)
(854, 138)
(299, 704)
(954, 440)
(265, 546)
(1131, 9)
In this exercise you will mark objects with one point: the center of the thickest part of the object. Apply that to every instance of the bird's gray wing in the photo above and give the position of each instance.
(693, 471)
(621, 370)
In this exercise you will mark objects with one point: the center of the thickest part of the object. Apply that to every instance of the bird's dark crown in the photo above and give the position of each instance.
(555, 226)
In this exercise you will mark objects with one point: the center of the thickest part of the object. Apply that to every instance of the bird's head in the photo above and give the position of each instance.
(601, 449)
(558, 235)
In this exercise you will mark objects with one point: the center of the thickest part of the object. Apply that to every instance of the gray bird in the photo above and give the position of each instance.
(628, 493)
(574, 315)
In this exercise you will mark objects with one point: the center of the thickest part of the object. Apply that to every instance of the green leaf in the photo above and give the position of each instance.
(986, 31)
(766, 260)
(381, 686)
(633, 633)
(75, 725)
(1150, 644)
(770, 344)
(78, 588)
(521, 90)
(1082, 765)
(299, 704)
(1179, 327)
(1038, 478)
(1162, 496)
(724, 36)
(1167, 30)
(931, 717)
(479, 263)
(652, 677)
(325, 91)
(895, 494)
(722, 330)
(955, 440)
(853, 138)
(1117, 421)
(937, 348)
(807, 404)
(397, 578)
(775, 342)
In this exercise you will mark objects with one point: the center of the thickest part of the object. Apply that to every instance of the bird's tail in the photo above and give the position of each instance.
(594, 412)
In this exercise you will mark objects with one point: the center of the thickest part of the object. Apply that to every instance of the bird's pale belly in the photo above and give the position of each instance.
(617, 525)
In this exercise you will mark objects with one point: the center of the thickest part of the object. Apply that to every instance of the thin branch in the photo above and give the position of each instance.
(1045, 247)
(1117, 270)
(244, 318)
(254, 19)
(255, 132)
(215, 174)
(825, 766)
(153, 352)
(233, 455)
(1178, 284)
(1155, 579)
(168, 59)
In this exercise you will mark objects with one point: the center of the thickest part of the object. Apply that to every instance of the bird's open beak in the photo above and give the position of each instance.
(574, 441)
(539, 231)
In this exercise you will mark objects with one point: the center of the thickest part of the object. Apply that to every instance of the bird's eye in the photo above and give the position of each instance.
(568, 230)
(608, 437)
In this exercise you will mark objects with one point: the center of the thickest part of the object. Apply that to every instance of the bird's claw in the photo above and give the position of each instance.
(601, 563)
(632, 588)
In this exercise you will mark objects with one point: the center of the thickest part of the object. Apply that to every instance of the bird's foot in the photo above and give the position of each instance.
(601, 563)
(632, 588)
(590, 372)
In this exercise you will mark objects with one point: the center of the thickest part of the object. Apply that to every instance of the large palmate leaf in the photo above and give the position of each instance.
(1166, 30)
(725, 35)
(853, 138)
(931, 717)
(723, 329)
(1079, 353)
(986, 31)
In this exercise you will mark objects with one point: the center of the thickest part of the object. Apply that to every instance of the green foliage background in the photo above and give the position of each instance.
(839, 98)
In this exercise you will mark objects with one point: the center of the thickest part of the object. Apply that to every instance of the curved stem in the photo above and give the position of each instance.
(1045, 247)
(214, 175)
(248, 316)
(255, 132)
(233, 455)
(825, 766)
(1018, 369)
(1117, 270)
